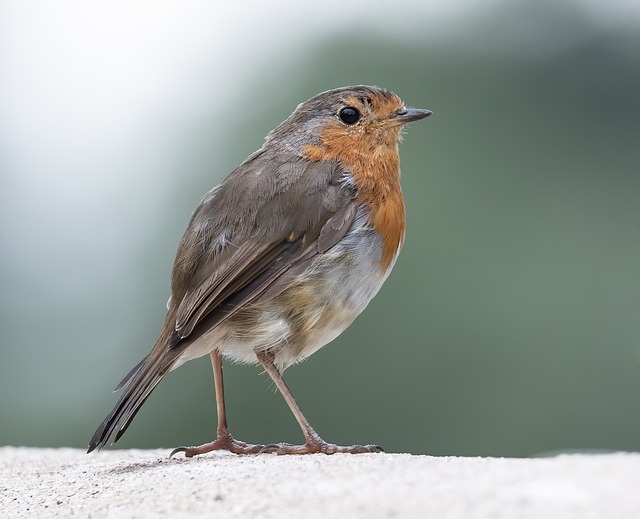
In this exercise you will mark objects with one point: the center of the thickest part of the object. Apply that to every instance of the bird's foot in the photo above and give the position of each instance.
(222, 443)
(316, 447)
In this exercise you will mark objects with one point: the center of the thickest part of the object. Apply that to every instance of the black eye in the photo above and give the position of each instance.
(349, 115)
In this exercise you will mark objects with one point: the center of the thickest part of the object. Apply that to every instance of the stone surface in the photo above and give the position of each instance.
(144, 483)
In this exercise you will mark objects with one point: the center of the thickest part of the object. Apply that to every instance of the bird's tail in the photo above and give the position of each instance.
(137, 386)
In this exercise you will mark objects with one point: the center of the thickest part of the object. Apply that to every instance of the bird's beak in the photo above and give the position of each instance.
(407, 115)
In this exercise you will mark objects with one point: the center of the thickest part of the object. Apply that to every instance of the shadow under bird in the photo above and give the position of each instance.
(282, 256)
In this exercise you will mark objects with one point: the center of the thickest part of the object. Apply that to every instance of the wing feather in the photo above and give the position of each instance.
(261, 241)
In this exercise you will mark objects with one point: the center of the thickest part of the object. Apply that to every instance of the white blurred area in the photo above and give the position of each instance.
(95, 98)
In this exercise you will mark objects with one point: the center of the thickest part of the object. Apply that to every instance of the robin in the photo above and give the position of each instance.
(280, 258)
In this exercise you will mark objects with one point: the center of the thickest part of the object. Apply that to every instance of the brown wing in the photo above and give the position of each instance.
(258, 225)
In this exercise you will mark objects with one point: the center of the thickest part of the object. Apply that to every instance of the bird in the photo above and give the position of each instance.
(282, 256)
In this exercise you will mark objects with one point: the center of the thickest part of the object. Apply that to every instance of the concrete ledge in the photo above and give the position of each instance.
(144, 483)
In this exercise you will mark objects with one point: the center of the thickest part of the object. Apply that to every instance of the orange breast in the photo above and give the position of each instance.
(375, 166)
(389, 221)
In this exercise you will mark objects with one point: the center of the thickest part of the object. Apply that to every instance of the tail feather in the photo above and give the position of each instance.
(138, 385)
(130, 375)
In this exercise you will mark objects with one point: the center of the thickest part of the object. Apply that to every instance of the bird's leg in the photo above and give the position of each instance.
(216, 364)
(313, 442)
(224, 440)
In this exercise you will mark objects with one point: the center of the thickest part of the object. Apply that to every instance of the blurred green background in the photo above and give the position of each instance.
(509, 326)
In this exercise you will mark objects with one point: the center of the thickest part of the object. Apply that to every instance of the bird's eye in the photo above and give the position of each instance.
(349, 115)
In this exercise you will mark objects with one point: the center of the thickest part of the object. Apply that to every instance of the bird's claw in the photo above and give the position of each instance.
(179, 449)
